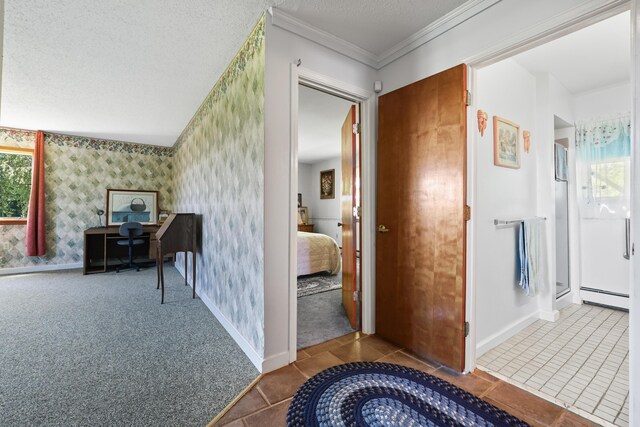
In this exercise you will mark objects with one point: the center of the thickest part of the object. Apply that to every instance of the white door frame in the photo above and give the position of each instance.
(560, 25)
(367, 193)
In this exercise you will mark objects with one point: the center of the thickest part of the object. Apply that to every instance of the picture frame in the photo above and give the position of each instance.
(328, 184)
(506, 143)
(303, 214)
(132, 206)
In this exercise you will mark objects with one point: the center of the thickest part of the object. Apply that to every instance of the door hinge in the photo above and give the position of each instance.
(467, 212)
(356, 296)
(466, 329)
(467, 98)
(356, 212)
(356, 128)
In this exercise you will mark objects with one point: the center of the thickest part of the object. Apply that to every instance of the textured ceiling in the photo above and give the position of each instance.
(374, 25)
(138, 70)
(320, 119)
(118, 69)
(591, 58)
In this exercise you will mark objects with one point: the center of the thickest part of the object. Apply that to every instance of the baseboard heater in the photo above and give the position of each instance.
(604, 298)
(600, 291)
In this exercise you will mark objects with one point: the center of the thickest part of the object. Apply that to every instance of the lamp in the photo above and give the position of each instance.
(100, 212)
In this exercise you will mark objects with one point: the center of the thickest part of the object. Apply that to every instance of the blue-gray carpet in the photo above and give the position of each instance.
(321, 318)
(101, 350)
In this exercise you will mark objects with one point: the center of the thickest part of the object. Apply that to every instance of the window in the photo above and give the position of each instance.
(608, 179)
(606, 189)
(15, 184)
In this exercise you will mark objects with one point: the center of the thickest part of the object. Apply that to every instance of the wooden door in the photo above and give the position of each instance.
(348, 203)
(420, 242)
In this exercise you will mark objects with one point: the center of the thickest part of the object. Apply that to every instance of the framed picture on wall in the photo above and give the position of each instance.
(506, 147)
(132, 206)
(303, 215)
(327, 184)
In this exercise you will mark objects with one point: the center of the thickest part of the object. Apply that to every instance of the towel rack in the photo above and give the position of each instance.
(514, 221)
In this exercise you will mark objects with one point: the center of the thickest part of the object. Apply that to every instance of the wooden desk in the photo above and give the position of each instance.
(305, 227)
(102, 253)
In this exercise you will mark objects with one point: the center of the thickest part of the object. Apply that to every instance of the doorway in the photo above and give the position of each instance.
(328, 221)
(565, 335)
(366, 100)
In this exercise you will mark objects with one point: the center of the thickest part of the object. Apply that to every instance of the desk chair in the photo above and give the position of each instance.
(130, 230)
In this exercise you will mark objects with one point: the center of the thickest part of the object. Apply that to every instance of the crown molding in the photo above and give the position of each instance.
(442, 25)
(587, 13)
(308, 31)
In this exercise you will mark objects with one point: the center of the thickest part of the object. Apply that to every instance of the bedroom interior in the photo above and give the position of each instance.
(321, 315)
(565, 337)
(100, 348)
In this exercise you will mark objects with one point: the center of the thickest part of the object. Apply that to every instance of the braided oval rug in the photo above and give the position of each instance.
(384, 394)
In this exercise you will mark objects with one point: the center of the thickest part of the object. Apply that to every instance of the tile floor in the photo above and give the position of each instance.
(266, 404)
(582, 361)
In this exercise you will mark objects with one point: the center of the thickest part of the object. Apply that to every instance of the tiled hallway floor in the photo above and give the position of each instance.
(266, 404)
(581, 361)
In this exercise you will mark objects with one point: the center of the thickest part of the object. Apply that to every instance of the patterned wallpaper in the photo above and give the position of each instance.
(78, 171)
(219, 174)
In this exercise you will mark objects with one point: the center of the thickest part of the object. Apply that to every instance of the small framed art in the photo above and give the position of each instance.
(506, 148)
(303, 215)
(328, 184)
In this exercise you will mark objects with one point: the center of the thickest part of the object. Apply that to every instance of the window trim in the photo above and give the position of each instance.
(25, 152)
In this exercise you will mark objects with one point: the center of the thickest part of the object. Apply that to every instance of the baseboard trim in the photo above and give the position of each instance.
(39, 268)
(504, 334)
(274, 362)
(251, 353)
(550, 316)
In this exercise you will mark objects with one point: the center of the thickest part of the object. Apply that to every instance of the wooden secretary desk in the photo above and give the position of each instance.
(177, 234)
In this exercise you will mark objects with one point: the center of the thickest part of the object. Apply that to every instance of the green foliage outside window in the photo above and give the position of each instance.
(15, 185)
(608, 179)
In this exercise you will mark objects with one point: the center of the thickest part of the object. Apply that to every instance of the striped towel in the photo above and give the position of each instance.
(530, 247)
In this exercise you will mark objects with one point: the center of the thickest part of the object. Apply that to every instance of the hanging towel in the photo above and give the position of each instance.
(530, 247)
(522, 255)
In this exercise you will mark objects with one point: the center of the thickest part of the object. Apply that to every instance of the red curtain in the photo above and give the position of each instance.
(36, 217)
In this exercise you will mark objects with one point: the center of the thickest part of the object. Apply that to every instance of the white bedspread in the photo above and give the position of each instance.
(316, 253)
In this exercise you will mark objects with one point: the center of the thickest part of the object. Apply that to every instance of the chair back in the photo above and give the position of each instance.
(130, 229)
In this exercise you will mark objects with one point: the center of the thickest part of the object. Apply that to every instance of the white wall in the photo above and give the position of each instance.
(602, 102)
(501, 25)
(503, 193)
(305, 184)
(326, 213)
(552, 99)
(509, 90)
(603, 240)
(283, 49)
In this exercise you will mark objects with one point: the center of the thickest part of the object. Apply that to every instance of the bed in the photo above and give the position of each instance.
(317, 253)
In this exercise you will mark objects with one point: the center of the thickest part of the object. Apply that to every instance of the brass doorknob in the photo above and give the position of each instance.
(382, 229)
